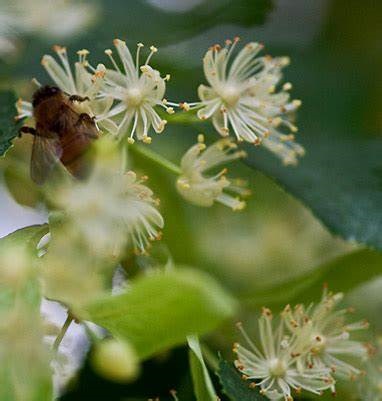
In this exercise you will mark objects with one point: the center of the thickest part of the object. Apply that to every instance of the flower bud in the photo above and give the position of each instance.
(115, 360)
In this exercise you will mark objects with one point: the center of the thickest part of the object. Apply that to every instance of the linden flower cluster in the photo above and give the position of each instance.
(122, 101)
(123, 211)
(80, 83)
(138, 89)
(242, 95)
(203, 190)
(306, 351)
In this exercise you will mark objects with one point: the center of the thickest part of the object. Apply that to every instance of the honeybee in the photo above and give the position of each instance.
(61, 134)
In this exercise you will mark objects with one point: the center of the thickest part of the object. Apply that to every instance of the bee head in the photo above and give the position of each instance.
(44, 93)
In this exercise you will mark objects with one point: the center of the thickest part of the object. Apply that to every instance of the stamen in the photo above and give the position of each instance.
(109, 53)
(137, 56)
(36, 82)
(153, 50)
(82, 55)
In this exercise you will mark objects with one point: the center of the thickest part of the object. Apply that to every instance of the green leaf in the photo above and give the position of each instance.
(183, 25)
(160, 310)
(24, 370)
(23, 190)
(24, 237)
(202, 17)
(234, 386)
(9, 128)
(340, 180)
(203, 387)
(341, 275)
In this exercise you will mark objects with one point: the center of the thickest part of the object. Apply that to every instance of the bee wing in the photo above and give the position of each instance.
(46, 153)
(76, 157)
(87, 127)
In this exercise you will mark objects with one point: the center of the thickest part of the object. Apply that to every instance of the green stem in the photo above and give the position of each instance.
(155, 157)
(62, 333)
(185, 117)
(181, 117)
(123, 159)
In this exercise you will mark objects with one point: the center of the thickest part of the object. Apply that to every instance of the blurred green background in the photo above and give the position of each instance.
(336, 52)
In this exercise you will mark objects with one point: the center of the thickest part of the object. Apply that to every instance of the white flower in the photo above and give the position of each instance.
(242, 95)
(57, 18)
(370, 388)
(137, 89)
(203, 190)
(272, 365)
(80, 83)
(110, 208)
(53, 18)
(325, 337)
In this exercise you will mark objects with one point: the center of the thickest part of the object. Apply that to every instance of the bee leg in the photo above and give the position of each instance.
(27, 130)
(77, 98)
(84, 117)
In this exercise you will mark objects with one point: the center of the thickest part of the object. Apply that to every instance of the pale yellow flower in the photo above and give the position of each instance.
(242, 97)
(203, 190)
(137, 89)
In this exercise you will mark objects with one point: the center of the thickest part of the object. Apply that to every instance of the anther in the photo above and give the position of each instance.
(116, 42)
(267, 312)
(297, 103)
(83, 52)
(59, 49)
(185, 106)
